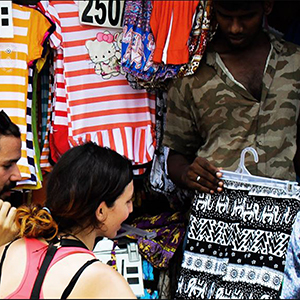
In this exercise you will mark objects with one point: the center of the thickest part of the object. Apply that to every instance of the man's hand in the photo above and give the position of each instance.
(8, 227)
(199, 174)
(202, 176)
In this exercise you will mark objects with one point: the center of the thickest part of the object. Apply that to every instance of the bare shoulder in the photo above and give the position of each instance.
(15, 245)
(102, 281)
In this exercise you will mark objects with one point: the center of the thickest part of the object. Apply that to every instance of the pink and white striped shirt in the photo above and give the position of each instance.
(101, 105)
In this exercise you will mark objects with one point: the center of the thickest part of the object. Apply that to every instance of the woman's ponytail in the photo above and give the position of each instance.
(35, 221)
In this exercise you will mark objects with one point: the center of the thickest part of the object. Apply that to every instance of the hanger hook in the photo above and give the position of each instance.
(241, 168)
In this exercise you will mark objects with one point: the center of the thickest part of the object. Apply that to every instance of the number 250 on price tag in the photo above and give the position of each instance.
(104, 13)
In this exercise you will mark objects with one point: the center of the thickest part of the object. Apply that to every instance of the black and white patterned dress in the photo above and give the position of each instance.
(237, 242)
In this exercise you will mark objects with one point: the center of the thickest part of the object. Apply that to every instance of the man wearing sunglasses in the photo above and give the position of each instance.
(10, 153)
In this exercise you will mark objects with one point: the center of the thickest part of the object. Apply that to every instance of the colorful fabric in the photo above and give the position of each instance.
(138, 46)
(113, 258)
(237, 242)
(35, 126)
(211, 116)
(31, 29)
(43, 101)
(147, 270)
(170, 230)
(45, 150)
(171, 24)
(101, 106)
(32, 181)
(138, 42)
(148, 276)
(35, 181)
(201, 34)
(59, 128)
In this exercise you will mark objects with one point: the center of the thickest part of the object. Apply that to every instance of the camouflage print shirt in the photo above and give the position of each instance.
(212, 116)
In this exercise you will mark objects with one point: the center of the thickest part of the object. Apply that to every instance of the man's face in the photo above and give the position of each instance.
(10, 153)
(240, 27)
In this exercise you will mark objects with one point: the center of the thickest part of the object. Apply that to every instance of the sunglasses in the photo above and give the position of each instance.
(4, 121)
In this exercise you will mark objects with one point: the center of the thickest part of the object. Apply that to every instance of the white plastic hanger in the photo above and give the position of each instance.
(241, 174)
(130, 230)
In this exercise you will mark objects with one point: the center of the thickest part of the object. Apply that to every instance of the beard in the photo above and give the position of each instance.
(7, 188)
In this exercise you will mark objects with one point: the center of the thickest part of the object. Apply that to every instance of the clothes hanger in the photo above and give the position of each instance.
(241, 174)
(130, 230)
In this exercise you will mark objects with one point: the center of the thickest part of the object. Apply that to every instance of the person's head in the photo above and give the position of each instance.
(241, 21)
(90, 188)
(10, 153)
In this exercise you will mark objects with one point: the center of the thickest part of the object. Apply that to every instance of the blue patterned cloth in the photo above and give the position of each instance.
(138, 46)
(291, 282)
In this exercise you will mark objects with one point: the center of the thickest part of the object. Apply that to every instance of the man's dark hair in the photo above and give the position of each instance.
(236, 5)
(7, 127)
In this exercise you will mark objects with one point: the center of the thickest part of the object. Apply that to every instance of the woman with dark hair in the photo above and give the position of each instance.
(89, 195)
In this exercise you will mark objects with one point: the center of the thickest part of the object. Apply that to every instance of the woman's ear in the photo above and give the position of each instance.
(101, 212)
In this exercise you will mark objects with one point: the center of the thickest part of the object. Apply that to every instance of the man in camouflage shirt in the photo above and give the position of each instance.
(246, 92)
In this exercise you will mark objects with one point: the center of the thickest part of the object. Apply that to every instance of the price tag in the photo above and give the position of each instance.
(6, 20)
(104, 13)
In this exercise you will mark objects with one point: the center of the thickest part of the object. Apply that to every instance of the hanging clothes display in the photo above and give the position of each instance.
(33, 151)
(57, 125)
(171, 24)
(138, 44)
(158, 175)
(101, 105)
(31, 31)
(202, 32)
(34, 181)
(46, 82)
(237, 239)
(43, 101)
(59, 128)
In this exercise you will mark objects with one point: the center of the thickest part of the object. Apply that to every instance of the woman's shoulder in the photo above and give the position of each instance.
(101, 280)
(13, 245)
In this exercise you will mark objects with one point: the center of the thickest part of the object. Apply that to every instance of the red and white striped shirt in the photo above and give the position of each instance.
(101, 105)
